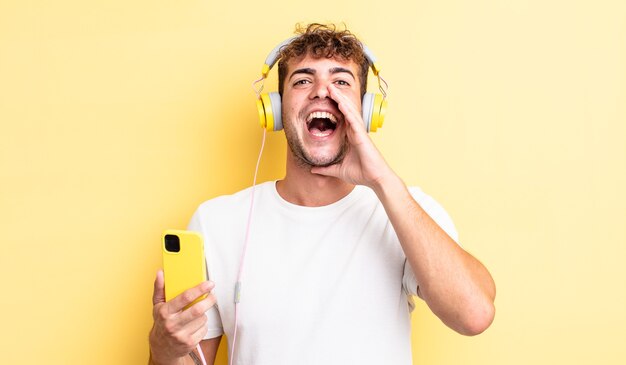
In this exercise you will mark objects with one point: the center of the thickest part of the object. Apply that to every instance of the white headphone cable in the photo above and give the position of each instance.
(239, 274)
(195, 358)
(243, 254)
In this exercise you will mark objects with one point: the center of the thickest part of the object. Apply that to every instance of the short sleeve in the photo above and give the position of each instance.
(214, 323)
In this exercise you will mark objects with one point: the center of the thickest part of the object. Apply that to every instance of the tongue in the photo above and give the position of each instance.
(318, 133)
(321, 127)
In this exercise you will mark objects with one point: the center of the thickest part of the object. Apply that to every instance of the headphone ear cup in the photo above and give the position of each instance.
(374, 107)
(270, 111)
(277, 111)
(260, 106)
(379, 109)
(367, 109)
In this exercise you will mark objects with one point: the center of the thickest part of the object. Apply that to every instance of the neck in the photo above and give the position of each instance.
(301, 187)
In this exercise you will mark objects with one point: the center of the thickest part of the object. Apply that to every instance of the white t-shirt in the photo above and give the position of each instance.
(321, 285)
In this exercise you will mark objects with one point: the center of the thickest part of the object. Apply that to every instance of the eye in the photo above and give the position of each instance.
(342, 83)
(301, 82)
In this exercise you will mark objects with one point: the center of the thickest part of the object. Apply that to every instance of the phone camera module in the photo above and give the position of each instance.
(172, 243)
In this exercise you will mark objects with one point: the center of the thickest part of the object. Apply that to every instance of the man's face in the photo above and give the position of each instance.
(314, 126)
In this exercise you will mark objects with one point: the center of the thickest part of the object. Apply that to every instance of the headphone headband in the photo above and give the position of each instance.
(272, 57)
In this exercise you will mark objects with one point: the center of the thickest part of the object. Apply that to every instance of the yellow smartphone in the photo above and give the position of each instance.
(184, 264)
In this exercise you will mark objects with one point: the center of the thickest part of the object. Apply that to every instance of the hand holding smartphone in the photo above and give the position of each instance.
(184, 264)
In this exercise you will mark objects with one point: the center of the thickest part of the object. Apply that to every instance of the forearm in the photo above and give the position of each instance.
(160, 356)
(456, 286)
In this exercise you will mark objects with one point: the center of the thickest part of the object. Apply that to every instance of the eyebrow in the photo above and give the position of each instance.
(306, 70)
(335, 70)
(310, 71)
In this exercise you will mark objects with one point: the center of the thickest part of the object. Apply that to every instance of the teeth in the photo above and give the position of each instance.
(326, 115)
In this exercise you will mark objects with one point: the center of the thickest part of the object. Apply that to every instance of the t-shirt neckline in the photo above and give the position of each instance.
(346, 200)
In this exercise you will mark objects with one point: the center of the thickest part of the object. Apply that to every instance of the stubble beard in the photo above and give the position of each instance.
(304, 159)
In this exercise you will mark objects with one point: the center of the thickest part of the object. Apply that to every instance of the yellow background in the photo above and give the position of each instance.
(118, 118)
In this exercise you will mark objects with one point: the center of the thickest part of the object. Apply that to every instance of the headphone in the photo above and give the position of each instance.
(374, 106)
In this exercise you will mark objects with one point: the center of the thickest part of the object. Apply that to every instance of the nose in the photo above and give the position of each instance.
(320, 91)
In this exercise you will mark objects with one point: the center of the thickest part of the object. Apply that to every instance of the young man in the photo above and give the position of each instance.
(336, 248)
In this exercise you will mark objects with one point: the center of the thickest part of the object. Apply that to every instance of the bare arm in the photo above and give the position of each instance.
(456, 286)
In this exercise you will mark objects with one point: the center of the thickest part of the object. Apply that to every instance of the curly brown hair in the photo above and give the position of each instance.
(319, 40)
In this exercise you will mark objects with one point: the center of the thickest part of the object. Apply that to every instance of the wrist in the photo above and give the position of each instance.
(160, 361)
(387, 183)
(162, 357)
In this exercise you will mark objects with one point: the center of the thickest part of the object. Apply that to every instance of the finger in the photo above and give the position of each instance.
(348, 108)
(185, 298)
(190, 334)
(332, 170)
(197, 324)
(357, 132)
(198, 336)
(180, 325)
(158, 295)
(197, 310)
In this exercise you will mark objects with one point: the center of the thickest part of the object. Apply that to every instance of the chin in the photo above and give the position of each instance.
(311, 153)
(324, 160)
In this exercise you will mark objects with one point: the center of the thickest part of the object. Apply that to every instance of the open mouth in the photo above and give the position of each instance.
(321, 124)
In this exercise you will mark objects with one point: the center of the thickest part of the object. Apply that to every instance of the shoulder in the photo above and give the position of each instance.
(235, 200)
(224, 207)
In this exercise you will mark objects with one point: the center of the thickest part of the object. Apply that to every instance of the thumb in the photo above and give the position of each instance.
(159, 289)
(332, 170)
